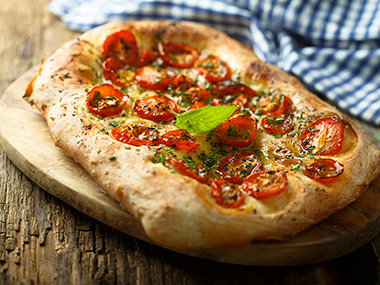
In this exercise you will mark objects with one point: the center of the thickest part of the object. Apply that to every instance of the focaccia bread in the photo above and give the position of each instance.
(267, 160)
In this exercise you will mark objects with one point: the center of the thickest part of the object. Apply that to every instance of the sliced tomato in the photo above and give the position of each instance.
(196, 105)
(122, 45)
(155, 107)
(136, 135)
(180, 140)
(189, 168)
(180, 84)
(234, 93)
(212, 68)
(226, 194)
(196, 94)
(280, 125)
(147, 57)
(266, 183)
(324, 137)
(324, 170)
(274, 105)
(177, 55)
(235, 167)
(105, 100)
(118, 72)
(153, 78)
(238, 131)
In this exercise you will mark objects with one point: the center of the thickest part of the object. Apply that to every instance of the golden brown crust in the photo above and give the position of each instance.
(176, 211)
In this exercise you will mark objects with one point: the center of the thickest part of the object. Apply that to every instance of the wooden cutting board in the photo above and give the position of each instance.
(24, 136)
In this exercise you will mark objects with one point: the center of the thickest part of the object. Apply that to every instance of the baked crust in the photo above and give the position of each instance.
(176, 211)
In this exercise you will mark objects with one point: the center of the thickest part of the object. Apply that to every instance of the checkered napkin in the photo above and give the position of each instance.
(333, 46)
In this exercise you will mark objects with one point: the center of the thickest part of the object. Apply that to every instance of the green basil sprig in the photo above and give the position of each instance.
(202, 120)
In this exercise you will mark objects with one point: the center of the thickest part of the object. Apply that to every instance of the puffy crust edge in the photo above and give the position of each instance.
(176, 211)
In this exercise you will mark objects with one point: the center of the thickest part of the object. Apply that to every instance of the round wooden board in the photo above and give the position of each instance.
(24, 136)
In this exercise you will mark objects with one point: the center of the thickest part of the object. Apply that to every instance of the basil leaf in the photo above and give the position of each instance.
(202, 120)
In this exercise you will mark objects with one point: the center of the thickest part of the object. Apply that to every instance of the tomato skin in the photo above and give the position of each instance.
(274, 105)
(153, 78)
(155, 107)
(113, 69)
(265, 184)
(234, 167)
(226, 194)
(323, 137)
(196, 105)
(122, 45)
(105, 100)
(324, 170)
(212, 68)
(135, 135)
(147, 57)
(177, 55)
(196, 172)
(278, 126)
(180, 140)
(238, 131)
(242, 93)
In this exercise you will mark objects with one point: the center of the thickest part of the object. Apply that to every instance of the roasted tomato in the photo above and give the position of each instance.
(195, 94)
(323, 170)
(239, 131)
(153, 78)
(180, 140)
(136, 135)
(274, 105)
(235, 167)
(212, 68)
(196, 105)
(324, 137)
(180, 84)
(226, 194)
(122, 45)
(189, 168)
(118, 72)
(266, 183)
(147, 57)
(155, 107)
(234, 93)
(178, 55)
(280, 125)
(105, 100)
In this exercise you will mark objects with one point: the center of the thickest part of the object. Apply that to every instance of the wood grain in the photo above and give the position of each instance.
(45, 241)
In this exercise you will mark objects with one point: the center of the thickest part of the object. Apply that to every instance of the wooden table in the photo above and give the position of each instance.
(45, 241)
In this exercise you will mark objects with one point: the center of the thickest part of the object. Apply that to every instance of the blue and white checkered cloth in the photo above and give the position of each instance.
(333, 46)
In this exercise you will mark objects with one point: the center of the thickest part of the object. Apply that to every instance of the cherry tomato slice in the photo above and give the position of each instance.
(234, 93)
(178, 55)
(274, 105)
(195, 94)
(235, 167)
(122, 45)
(181, 83)
(324, 170)
(153, 78)
(239, 131)
(118, 72)
(212, 68)
(190, 169)
(226, 194)
(281, 125)
(155, 107)
(147, 57)
(266, 183)
(324, 137)
(136, 135)
(105, 100)
(180, 140)
(196, 105)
